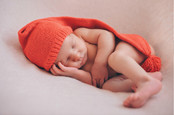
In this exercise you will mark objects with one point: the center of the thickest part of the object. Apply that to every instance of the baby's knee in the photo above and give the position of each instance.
(115, 58)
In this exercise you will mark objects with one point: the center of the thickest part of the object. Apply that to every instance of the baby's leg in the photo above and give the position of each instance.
(118, 84)
(122, 84)
(126, 59)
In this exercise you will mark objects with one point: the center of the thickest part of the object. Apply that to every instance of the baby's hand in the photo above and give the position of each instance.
(63, 71)
(72, 72)
(99, 74)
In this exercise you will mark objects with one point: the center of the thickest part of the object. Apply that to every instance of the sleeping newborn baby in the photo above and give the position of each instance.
(93, 52)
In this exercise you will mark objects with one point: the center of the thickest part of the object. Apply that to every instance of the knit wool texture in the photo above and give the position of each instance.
(42, 39)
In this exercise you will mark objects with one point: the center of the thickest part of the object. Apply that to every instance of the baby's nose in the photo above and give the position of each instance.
(76, 57)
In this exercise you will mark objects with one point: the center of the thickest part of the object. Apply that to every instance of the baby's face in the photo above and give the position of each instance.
(73, 52)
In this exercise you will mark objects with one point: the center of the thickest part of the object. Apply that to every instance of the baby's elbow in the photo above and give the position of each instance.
(107, 34)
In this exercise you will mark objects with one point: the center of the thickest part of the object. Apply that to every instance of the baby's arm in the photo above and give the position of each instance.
(72, 72)
(105, 42)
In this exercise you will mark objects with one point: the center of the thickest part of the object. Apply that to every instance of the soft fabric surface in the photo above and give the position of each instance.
(27, 90)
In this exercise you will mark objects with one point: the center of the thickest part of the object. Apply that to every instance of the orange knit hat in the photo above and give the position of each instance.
(42, 39)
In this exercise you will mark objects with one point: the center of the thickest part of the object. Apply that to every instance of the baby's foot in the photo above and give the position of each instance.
(144, 92)
(156, 75)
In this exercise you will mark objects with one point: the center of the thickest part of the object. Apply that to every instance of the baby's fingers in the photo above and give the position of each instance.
(52, 71)
(62, 67)
(106, 78)
(56, 71)
(101, 83)
(67, 69)
(94, 82)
